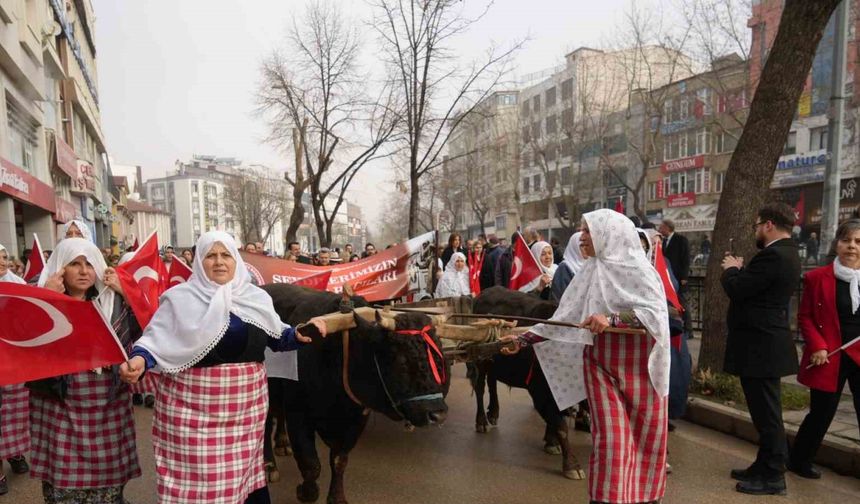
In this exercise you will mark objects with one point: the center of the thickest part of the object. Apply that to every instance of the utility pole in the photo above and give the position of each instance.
(830, 203)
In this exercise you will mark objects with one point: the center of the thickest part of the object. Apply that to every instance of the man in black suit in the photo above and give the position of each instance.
(676, 250)
(760, 349)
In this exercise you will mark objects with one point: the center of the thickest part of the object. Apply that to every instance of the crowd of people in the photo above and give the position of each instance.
(628, 359)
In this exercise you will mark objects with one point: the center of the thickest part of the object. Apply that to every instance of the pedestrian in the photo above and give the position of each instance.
(369, 250)
(625, 377)
(354, 258)
(543, 254)
(676, 250)
(168, 256)
(455, 279)
(828, 318)
(208, 337)
(291, 258)
(557, 251)
(76, 229)
(14, 408)
(188, 256)
(705, 248)
(81, 424)
(760, 347)
(491, 256)
(569, 267)
(530, 235)
(476, 264)
(250, 248)
(324, 257)
(295, 249)
(260, 248)
(812, 247)
(454, 246)
(504, 263)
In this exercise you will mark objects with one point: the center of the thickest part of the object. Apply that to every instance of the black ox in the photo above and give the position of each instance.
(387, 372)
(521, 370)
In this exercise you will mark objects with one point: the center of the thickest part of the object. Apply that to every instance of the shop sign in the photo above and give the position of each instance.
(676, 126)
(19, 184)
(67, 160)
(66, 211)
(84, 181)
(683, 164)
(681, 200)
(807, 200)
(800, 169)
(693, 218)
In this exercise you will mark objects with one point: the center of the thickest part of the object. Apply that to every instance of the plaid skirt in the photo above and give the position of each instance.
(208, 434)
(85, 441)
(147, 385)
(629, 421)
(14, 421)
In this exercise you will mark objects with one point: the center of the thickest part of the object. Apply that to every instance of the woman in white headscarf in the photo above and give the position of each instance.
(81, 425)
(14, 412)
(77, 229)
(455, 279)
(569, 267)
(625, 377)
(208, 339)
(543, 254)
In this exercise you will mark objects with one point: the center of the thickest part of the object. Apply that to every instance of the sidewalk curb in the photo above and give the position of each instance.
(838, 454)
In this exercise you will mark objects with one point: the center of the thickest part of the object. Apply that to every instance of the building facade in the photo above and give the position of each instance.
(145, 220)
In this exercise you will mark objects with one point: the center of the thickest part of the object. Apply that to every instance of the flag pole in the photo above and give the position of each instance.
(843, 347)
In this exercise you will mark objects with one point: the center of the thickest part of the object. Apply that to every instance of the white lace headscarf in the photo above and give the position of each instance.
(537, 249)
(9, 276)
(69, 249)
(193, 317)
(454, 283)
(618, 279)
(81, 225)
(573, 255)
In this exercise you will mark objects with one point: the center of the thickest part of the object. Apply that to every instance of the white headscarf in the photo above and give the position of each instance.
(619, 279)
(852, 276)
(9, 276)
(454, 283)
(537, 249)
(193, 317)
(69, 249)
(573, 255)
(81, 225)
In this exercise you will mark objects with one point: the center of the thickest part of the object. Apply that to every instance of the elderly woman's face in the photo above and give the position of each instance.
(586, 245)
(78, 276)
(459, 264)
(74, 232)
(546, 257)
(219, 265)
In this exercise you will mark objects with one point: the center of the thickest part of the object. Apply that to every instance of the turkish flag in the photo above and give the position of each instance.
(525, 270)
(142, 280)
(134, 247)
(51, 334)
(36, 261)
(318, 281)
(663, 271)
(179, 273)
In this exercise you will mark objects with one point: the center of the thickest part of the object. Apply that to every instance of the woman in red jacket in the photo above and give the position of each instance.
(828, 318)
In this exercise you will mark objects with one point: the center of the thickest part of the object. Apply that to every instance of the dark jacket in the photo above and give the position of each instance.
(677, 252)
(760, 343)
(503, 267)
(560, 280)
(488, 270)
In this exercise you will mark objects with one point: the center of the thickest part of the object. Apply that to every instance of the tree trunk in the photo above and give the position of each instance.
(755, 158)
(414, 202)
(297, 216)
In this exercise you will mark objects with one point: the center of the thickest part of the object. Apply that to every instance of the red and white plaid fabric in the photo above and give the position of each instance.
(208, 434)
(87, 440)
(148, 385)
(629, 421)
(14, 421)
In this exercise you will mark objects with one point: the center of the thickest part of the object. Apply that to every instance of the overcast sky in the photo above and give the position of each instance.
(177, 78)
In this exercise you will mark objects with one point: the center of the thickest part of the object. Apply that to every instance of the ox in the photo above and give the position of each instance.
(387, 366)
(521, 371)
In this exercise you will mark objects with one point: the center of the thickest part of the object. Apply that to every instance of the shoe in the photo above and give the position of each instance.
(761, 486)
(744, 474)
(807, 471)
(19, 464)
(4, 486)
(149, 401)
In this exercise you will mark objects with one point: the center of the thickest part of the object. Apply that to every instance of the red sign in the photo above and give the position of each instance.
(21, 185)
(66, 211)
(684, 164)
(660, 189)
(51, 334)
(681, 200)
(84, 181)
(387, 275)
(67, 160)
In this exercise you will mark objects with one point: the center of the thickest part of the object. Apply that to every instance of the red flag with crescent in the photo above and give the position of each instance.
(524, 269)
(142, 279)
(134, 247)
(318, 281)
(51, 334)
(179, 273)
(663, 271)
(36, 261)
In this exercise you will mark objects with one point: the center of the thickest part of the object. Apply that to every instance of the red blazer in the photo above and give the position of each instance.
(819, 323)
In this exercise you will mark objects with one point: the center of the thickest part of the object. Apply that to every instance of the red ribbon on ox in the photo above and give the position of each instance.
(51, 334)
(438, 375)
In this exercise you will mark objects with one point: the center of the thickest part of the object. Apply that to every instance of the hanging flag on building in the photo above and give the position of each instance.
(36, 261)
(179, 273)
(143, 280)
(525, 270)
(51, 334)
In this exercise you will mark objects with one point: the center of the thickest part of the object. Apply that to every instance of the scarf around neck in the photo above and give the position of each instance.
(852, 276)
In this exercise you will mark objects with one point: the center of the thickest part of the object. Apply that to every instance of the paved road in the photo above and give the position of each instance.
(453, 464)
